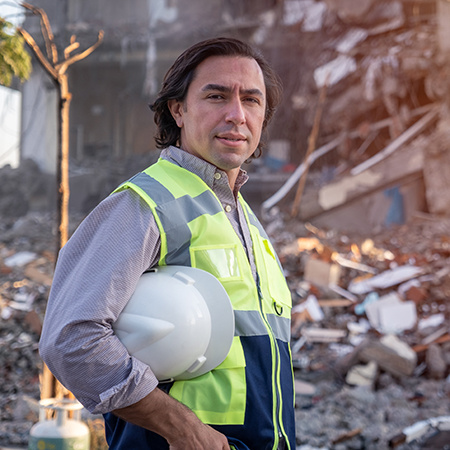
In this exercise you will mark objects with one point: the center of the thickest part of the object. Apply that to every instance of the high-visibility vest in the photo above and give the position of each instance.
(250, 396)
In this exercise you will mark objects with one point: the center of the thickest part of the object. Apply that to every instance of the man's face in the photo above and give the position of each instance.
(222, 115)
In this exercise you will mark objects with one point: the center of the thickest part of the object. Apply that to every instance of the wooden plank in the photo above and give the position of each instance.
(323, 334)
(335, 303)
(423, 347)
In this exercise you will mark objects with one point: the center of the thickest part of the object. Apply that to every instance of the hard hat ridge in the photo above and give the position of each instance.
(179, 321)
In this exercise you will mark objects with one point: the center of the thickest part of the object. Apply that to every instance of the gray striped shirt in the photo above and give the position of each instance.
(96, 274)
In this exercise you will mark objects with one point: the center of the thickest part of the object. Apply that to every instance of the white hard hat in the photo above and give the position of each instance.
(179, 321)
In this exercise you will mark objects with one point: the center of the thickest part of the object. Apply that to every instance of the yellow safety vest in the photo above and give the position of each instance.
(256, 377)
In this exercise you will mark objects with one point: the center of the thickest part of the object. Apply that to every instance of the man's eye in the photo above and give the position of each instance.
(215, 96)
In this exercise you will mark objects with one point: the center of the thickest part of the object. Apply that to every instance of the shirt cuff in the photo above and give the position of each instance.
(138, 385)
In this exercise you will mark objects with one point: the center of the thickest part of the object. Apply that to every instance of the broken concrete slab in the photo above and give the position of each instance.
(391, 354)
(334, 71)
(309, 13)
(20, 259)
(362, 375)
(436, 364)
(390, 314)
(311, 305)
(304, 388)
(386, 279)
(431, 322)
(406, 163)
(321, 272)
(399, 317)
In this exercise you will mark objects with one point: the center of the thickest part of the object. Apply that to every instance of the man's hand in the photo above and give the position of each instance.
(175, 422)
(204, 438)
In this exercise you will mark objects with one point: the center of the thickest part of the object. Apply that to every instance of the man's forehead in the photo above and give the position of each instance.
(226, 71)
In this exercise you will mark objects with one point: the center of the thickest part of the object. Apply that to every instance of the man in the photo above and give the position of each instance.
(214, 104)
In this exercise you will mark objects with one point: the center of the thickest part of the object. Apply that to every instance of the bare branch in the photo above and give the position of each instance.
(37, 51)
(70, 48)
(62, 67)
(47, 32)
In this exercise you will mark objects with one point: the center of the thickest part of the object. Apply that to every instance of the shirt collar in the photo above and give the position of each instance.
(200, 167)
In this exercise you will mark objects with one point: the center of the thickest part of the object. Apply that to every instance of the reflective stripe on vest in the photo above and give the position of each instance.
(195, 231)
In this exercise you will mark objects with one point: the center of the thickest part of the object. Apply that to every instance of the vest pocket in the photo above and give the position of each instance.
(280, 295)
(222, 262)
(217, 397)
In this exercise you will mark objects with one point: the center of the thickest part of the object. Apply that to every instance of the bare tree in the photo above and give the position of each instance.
(57, 69)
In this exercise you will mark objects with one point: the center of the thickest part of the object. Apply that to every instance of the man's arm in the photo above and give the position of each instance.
(95, 276)
(175, 422)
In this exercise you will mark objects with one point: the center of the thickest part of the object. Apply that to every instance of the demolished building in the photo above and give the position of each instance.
(383, 66)
(367, 256)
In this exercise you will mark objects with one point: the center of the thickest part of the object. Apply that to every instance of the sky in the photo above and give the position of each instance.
(11, 11)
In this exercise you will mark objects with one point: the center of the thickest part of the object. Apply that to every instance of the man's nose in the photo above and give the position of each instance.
(235, 112)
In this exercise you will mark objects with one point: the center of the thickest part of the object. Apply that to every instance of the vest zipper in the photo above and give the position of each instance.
(278, 435)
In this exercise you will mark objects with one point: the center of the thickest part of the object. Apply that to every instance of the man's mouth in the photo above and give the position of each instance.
(232, 138)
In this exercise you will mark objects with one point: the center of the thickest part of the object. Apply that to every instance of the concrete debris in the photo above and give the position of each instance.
(27, 258)
(312, 307)
(336, 350)
(394, 340)
(362, 375)
(309, 13)
(389, 314)
(386, 279)
(20, 259)
(432, 426)
(304, 388)
(435, 361)
(391, 355)
(334, 71)
(321, 272)
(351, 38)
(431, 321)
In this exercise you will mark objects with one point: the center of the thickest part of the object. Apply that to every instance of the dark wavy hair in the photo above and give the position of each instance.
(179, 77)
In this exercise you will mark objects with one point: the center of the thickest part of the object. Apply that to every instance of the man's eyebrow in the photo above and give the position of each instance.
(226, 89)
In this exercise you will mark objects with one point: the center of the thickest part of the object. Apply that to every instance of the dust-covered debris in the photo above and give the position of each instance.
(387, 295)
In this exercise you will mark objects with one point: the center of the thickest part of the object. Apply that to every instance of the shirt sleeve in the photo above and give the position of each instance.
(96, 274)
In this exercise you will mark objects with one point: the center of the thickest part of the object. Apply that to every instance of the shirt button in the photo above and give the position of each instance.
(228, 208)
(217, 176)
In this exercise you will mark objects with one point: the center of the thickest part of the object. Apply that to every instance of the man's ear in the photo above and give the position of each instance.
(176, 109)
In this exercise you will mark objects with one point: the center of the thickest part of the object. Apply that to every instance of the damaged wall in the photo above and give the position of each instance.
(380, 61)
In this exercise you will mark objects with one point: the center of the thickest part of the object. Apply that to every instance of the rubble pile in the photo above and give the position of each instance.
(370, 331)
(20, 187)
(27, 255)
(371, 315)
(378, 60)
